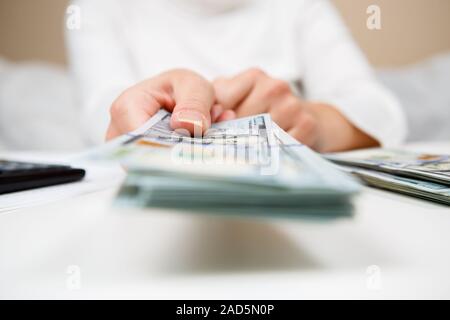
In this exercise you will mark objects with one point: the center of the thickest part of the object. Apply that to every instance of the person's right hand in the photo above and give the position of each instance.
(186, 94)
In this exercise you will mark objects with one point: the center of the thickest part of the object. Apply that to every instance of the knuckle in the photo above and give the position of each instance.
(276, 88)
(290, 107)
(127, 100)
(183, 72)
(308, 123)
(118, 108)
(195, 103)
(256, 72)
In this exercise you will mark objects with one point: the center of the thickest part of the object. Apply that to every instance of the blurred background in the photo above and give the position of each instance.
(411, 53)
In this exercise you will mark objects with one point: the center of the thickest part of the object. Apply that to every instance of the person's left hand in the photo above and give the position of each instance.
(317, 125)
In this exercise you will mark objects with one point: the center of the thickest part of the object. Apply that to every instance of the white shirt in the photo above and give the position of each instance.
(122, 42)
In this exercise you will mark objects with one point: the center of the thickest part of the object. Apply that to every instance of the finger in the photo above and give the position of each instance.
(230, 92)
(258, 101)
(227, 115)
(266, 94)
(305, 130)
(135, 106)
(112, 132)
(194, 97)
(285, 111)
(216, 111)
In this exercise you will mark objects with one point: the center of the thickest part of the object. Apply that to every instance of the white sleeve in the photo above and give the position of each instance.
(336, 72)
(99, 62)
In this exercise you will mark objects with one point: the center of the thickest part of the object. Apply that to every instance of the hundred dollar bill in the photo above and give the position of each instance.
(252, 132)
(245, 131)
(262, 154)
(326, 170)
(423, 166)
(417, 188)
(246, 140)
(295, 181)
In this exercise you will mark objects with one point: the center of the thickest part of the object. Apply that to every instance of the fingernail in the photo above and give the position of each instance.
(193, 117)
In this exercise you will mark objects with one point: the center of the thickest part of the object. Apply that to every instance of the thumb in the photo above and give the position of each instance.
(194, 98)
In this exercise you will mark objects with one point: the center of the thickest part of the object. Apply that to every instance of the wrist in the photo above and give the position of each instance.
(336, 132)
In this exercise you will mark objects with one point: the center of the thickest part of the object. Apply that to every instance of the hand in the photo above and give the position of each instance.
(320, 126)
(187, 95)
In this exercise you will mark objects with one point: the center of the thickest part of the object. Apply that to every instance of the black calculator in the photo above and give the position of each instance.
(18, 176)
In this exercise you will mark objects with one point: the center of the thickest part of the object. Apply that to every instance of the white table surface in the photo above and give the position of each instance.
(394, 247)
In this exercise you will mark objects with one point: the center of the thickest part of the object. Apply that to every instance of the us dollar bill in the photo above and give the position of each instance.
(173, 170)
(245, 166)
(250, 131)
(417, 188)
(228, 144)
(422, 166)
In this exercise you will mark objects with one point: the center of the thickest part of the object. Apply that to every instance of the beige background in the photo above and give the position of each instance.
(411, 29)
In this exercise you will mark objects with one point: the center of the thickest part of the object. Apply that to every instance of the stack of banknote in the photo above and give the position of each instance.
(421, 175)
(247, 166)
